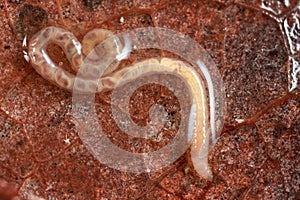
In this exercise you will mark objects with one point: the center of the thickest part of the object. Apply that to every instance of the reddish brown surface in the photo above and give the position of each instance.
(256, 159)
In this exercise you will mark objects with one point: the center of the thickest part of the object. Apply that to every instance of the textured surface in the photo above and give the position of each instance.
(255, 45)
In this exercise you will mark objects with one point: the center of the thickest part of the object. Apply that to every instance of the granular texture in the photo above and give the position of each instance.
(255, 46)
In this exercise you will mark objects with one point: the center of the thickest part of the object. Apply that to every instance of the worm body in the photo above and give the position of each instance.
(75, 53)
(96, 66)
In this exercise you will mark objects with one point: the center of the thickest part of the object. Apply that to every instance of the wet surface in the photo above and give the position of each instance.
(256, 47)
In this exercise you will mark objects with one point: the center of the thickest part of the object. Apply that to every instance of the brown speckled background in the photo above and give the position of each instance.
(258, 154)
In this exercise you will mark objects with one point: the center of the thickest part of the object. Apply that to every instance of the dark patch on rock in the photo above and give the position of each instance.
(31, 19)
(93, 4)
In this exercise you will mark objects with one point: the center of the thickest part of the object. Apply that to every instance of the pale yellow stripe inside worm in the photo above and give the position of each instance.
(199, 130)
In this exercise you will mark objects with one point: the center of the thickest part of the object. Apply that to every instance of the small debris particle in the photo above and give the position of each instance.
(67, 141)
(239, 120)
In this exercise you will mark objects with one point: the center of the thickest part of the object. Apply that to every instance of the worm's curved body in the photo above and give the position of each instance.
(96, 65)
(43, 64)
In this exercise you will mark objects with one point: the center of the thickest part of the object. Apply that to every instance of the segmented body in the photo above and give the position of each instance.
(76, 54)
